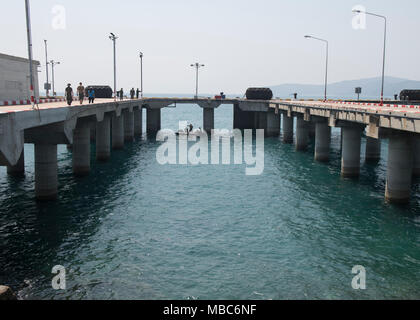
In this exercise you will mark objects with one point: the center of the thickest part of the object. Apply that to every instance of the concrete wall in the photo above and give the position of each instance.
(14, 78)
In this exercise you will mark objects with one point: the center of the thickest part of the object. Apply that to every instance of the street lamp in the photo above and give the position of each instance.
(326, 64)
(384, 53)
(114, 38)
(47, 85)
(197, 66)
(53, 63)
(29, 37)
(141, 73)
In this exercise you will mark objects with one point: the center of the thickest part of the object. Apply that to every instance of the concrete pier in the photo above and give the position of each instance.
(322, 141)
(243, 119)
(153, 120)
(208, 119)
(138, 121)
(350, 154)
(46, 177)
(103, 139)
(128, 117)
(117, 132)
(416, 155)
(373, 150)
(18, 170)
(93, 134)
(311, 129)
(400, 166)
(81, 150)
(302, 133)
(287, 129)
(273, 123)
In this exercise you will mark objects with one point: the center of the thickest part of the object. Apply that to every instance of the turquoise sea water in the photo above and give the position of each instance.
(134, 229)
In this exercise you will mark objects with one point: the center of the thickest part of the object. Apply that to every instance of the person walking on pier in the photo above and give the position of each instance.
(132, 93)
(91, 95)
(121, 94)
(137, 93)
(69, 94)
(81, 92)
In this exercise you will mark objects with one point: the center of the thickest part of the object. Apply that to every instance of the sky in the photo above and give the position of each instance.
(243, 43)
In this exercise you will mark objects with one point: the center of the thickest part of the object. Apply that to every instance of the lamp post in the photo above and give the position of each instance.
(326, 64)
(29, 36)
(114, 38)
(196, 66)
(384, 53)
(141, 73)
(53, 63)
(47, 87)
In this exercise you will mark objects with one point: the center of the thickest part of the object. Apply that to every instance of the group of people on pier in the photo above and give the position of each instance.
(81, 92)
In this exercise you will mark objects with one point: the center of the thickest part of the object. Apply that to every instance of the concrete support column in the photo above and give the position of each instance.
(302, 134)
(46, 177)
(138, 121)
(373, 149)
(273, 123)
(103, 139)
(208, 119)
(93, 134)
(243, 119)
(416, 155)
(81, 150)
(260, 121)
(350, 155)
(322, 141)
(19, 168)
(287, 129)
(117, 132)
(128, 125)
(400, 165)
(312, 129)
(153, 120)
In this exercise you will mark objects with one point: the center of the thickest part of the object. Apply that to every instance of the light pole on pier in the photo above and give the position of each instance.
(53, 63)
(47, 86)
(326, 64)
(196, 66)
(141, 73)
(114, 38)
(384, 52)
(29, 36)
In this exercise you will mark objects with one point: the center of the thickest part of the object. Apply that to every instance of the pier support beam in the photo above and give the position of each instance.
(273, 123)
(208, 119)
(373, 150)
(117, 132)
(322, 141)
(287, 129)
(138, 121)
(243, 119)
(302, 133)
(350, 155)
(18, 170)
(400, 165)
(81, 150)
(416, 155)
(153, 120)
(103, 139)
(128, 117)
(46, 177)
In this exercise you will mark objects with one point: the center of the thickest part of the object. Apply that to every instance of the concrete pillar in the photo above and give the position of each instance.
(128, 125)
(311, 129)
(273, 123)
(19, 168)
(208, 119)
(287, 129)
(138, 121)
(46, 177)
(416, 155)
(103, 139)
(117, 132)
(93, 134)
(153, 120)
(400, 165)
(302, 134)
(350, 154)
(81, 150)
(260, 120)
(243, 119)
(322, 141)
(373, 149)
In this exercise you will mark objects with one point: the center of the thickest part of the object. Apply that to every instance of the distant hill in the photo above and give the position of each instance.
(371, 88)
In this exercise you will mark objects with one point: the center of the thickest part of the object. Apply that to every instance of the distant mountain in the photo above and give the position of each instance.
(371, 88)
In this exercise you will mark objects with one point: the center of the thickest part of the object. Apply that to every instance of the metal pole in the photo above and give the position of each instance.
(141, 73)
(383, 66)
(52, 70)
(46, 66)
(29, 35)
(115, 70)
(326, 75)
(196, 83)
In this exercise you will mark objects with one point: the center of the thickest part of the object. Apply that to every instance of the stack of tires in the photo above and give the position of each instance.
(101, 91)
(410, 95)
(259, 94)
